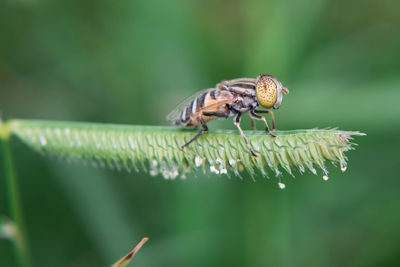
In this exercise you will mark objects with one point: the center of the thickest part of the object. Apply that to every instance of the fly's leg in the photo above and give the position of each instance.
(237, 124)
(253, 124)
(258, 117)
(272, 117)
(205, 130)
(216, 114)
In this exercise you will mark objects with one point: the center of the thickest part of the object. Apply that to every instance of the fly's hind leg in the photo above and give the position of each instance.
(203, 131)
(272, 117)
(237, 124)
(203, 124)
(258, 117)
(216, 114)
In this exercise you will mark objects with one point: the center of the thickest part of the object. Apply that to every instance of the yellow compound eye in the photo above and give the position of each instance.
(266, 91)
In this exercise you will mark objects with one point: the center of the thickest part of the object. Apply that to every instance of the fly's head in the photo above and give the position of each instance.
(269, 91)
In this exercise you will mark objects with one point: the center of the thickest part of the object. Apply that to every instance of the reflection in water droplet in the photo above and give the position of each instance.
(281, 185)
(325, 177)
(343, 168)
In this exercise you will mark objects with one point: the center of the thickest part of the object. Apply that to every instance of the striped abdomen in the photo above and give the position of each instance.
(211, 100)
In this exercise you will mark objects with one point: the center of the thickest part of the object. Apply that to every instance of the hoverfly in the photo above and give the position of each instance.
(231, 98)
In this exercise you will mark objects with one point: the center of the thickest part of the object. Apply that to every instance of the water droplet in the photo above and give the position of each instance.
(174, 171)
(168, 172)
(281, 185)
(153, 168)
(343, 168)
(325, 177)
(8, 230)
(153, 172)
(198, 161)
(213, 169)
(42, 140)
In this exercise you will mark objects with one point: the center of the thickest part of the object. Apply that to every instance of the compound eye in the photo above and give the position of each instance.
(266, 91)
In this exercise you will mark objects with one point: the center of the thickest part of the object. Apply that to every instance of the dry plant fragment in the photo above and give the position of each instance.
(129, 257)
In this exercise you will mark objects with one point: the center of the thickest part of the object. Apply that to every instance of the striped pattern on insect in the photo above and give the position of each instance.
(231, 98)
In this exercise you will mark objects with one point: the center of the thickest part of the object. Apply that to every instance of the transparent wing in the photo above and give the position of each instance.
(176, 112)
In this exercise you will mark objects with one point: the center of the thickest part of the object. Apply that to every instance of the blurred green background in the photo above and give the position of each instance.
(131, 62)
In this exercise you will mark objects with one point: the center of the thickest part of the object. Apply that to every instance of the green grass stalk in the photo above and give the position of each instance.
(14, 201)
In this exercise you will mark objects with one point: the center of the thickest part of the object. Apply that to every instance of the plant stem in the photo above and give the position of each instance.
(157, 150)
(14, 200)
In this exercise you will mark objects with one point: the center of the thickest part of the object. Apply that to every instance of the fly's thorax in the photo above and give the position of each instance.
(244, 103)
(269, 91)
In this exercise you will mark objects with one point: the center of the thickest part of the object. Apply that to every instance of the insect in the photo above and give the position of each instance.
(231, 98)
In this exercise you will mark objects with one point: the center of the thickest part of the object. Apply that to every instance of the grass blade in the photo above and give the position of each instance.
(156, 150)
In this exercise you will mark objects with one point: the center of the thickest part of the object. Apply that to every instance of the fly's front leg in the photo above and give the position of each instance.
(272, 117)
(205, 130)
(237, 124)
(258, 117)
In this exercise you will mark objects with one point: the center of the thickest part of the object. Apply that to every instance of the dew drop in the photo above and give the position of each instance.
(198, 161)
(281, 185)
(343, 169)
(153, 168)
(8, 230)
(174, 171)
(42, 140)
(325, 177)
(213, 169)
